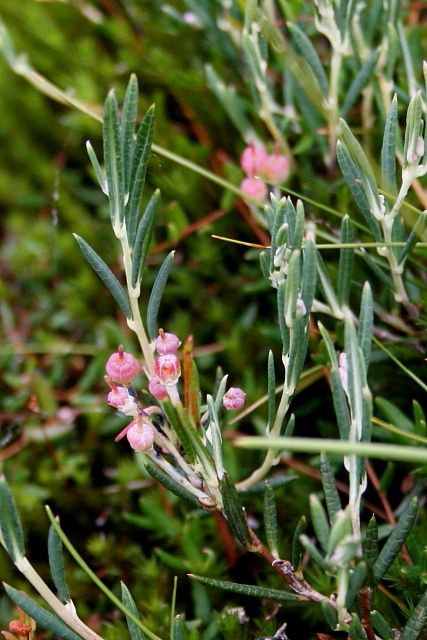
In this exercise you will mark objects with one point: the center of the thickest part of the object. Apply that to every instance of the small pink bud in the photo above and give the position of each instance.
(234, 398)
(254, 188)
(167, 368)
(122, 367)
(140, 435)
(252, 160)
(167, 343)
(20, 628)
(275, 168)
(118, 396)
(157, 389)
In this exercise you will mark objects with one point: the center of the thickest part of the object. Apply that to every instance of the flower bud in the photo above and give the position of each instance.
(167, 369)
(20, 628)
(157, 389)
(234, 398)
(254, 188)
(122, 367)
(140, 435)
(118, 396)
(275, 168)
(167, 343)
(252, 160)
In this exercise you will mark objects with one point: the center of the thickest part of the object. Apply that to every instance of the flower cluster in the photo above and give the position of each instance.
(261, 167)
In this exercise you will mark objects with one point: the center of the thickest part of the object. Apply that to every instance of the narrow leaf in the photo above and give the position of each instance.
(130, 107)
(356, 581)
(185, 436)
(292, 288)
(381, 626)
(345, 267)
(352, 176)
(333, 502)
(99, 172)
(359, 82)
(319, 521)
(216, 437)
(309, 274)
(417, 620)
(144, 233)
(170, 483)
(248, 589)
(271, 391)
(113, 160)
(309, 53)
(270, 520)
(234, 511)
(413, 130)
(297, 548)
(366, 323)
(135, 632)
(42, 616)
(284, 331)
(156, 295)
(141, 154)
(314, 553)
(388, 150)
(56, 563)
(11, 534)
(396, 540)
(413, 238)
(106, 275)
(356, 631)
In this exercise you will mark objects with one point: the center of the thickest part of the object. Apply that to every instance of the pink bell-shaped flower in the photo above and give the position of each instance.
(166, 343)
(254, 188)
(167, 369)
(122, 367)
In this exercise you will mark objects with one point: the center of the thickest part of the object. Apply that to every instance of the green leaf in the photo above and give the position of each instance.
(144, 234)
(186, 436)
(417, 620)
(11, 534)
(42, 616)
(359, 82)
(284, 331)
(56, 563)
(345, 267)
(309, 53)
(413, 130)
(99, 172)
(168, 482)
(356, 581)
(270, 520)
(341, 529)
(388, 150)
(326, 287)
(355, 630)
(309, 274)
(413, 238)
(216, 437)
(292, 288)
(106, 275)
(319, 520)
(314, 553)
(135, 632)
(366, 323)
(338, 395)
(248, 589)
(271, 391)
(381, 626)
(234, 511)
(179, 629)
(396, 540)
(352, 176)
(297, 548)
(130, 108)
(156, 295)
(333, 502)
(112, 159)
(330, 614)
(141, 154)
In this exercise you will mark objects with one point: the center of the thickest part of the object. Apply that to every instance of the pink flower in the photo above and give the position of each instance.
(254, 188)
(140, 435)
(167, 369)
(167, 343)
(275, 168)
(253, 159)
(234, 398)
(122, 367)
(157, 389)
(118, 396)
